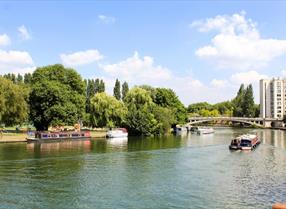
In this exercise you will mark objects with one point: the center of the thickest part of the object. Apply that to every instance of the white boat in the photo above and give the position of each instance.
(205, 131)
(117, 133)
(249, 141)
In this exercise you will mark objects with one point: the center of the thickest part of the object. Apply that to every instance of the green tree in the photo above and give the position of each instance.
(224, 108)
(151, 90)
(168, 98)
(165, 118)
(125, 89)
(57, 97)
(196, 107)
(101, 87)
(140, 119)
(116, 90)
(13, 103)
(257, 110)
(90, 92)
(19, 78)
(27, 78)
(238, 102)
(97, 85)
(106, 111)
(248, 105)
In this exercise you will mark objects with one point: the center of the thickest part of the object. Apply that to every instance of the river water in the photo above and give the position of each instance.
(188, 171)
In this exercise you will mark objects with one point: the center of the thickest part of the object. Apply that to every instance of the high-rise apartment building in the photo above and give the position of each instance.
(272, 98)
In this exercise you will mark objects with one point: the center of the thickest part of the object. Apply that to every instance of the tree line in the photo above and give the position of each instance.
(54, 96)
(241, 106)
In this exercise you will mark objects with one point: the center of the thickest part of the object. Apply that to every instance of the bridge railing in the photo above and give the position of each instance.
(234, 118)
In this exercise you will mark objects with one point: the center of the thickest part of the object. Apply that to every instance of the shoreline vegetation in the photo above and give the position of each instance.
(55, 96)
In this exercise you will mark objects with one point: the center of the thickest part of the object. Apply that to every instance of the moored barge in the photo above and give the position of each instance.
(64, 135)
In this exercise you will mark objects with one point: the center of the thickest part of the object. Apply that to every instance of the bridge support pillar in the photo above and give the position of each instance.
(267, 124)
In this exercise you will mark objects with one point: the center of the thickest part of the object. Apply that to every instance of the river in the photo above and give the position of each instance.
(188, 171)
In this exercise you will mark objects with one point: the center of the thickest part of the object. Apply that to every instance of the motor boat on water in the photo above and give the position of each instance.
(201, 131)
(249, 142)
(245, 142)
(117, 133)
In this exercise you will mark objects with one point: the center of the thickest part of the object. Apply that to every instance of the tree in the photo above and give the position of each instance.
(257, 110)
(106, 111)
(13, 103)
(165, 118)
(224, 108)
(57, 96)
(238, 101)
(116, 90)
(168, 98)
(19, 78)
(140, 119)
(196, 107)
(101, 87)
(125, 89)
(27, 78)
(90, 92)
(248, 105)
(97, 86)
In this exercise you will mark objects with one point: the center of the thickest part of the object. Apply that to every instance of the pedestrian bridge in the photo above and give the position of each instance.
(260, 122)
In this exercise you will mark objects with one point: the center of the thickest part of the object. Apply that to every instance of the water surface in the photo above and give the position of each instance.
(188, 171)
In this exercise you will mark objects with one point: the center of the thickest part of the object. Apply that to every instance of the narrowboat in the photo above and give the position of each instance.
(63, 135)
(249, 141)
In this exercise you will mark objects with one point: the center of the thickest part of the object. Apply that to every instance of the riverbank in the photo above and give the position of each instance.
(21, 137)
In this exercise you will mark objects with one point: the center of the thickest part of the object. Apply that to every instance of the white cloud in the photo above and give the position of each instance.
(24, 33)
(283, 73)
(4, 40)
(15, 62)
(219, 83)
(250, 77)
(81, 57)
(237, 44)
(137, 70)
(106, 19)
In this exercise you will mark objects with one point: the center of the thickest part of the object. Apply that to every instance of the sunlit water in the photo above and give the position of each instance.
(187, 171)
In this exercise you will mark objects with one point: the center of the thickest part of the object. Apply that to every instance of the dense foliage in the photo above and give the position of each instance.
(140, 119)
(241, 106)
(116, 90)
(54, 95)
(125, 89)
(57, 97)
(13, 102)
(106, 111)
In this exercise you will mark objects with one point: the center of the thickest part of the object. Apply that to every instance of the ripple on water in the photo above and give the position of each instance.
(188, 172)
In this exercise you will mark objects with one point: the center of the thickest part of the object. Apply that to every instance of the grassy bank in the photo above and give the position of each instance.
(21, 137)
(13, 137)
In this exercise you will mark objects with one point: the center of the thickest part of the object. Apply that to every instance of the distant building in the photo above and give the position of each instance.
(272, 98)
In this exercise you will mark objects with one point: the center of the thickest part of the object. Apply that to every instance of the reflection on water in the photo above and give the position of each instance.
(181, 171)
(275, 138)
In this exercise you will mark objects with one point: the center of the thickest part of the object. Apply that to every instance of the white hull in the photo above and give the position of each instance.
(205, 131)
(116, 134)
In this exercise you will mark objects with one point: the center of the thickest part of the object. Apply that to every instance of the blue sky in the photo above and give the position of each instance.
(201, 49)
